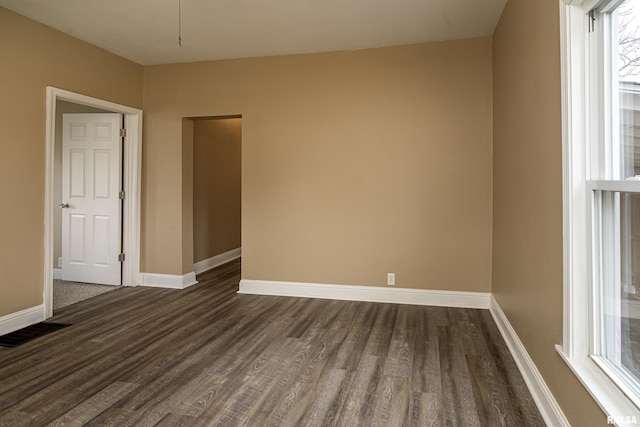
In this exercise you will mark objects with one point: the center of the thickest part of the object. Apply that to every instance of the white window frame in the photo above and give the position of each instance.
(580, 307)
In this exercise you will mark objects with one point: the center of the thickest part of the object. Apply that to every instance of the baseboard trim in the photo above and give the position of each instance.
(218, 260)
(546, 403)
(21, 319)
(169, 281)
(57, 274)
(366, 293)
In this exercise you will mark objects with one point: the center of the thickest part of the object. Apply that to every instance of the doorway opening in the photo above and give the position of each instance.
(87, 180)
(59, 101)
(217, 191)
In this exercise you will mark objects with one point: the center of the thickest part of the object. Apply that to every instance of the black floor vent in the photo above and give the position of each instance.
(21, 336)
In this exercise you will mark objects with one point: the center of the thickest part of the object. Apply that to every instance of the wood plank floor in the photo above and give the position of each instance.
(208, 356)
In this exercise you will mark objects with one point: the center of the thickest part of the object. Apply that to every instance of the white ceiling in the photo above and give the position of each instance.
(146, 31)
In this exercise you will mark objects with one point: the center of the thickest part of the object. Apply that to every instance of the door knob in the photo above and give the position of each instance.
(63, 205)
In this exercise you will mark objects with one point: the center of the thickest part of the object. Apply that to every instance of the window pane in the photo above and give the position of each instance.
(626, 75)
(630, 302)
(621, 277)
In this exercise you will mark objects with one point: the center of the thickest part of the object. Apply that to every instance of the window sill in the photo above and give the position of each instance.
(611, 399)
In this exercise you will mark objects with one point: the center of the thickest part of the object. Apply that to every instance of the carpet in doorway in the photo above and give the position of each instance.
(21, 336)
(66, 293)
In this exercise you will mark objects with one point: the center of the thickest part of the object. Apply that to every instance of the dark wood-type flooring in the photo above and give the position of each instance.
(208, 356)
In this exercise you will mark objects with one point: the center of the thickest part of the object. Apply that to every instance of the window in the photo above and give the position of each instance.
(614, 52)
(601, 120)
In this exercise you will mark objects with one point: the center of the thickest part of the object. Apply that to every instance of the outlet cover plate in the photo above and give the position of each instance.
(391, 279)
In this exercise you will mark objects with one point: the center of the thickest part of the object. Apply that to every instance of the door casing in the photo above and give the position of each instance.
(132, 184)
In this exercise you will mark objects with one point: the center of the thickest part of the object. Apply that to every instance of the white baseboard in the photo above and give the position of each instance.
(366, 293)
(170, 281)
(57, 274)
(215, 261)
(21, 319)
(547, 404)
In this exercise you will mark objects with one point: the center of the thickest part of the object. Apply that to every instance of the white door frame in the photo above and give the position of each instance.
(132, 177)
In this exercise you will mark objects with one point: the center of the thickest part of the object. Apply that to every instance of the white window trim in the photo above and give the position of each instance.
(578, 305)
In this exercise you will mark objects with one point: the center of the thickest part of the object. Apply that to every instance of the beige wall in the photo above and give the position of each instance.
(217, 149)
(33, 57)
(527, 223)
(354, 164)
(62, 107)
(187, 195)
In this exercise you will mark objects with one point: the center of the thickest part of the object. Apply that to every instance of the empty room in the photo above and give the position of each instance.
(320, 213)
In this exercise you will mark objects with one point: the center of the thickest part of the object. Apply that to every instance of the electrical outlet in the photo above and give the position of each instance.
(59, 262)
(391, 279)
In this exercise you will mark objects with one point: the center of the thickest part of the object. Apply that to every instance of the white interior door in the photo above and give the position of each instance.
(91, 207)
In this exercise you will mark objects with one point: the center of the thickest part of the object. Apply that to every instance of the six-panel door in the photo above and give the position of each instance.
(91, 183)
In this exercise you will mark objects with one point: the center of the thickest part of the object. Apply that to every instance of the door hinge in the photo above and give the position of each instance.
(123, 132)
(121, 195)
(121, 257)
(592, 20)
